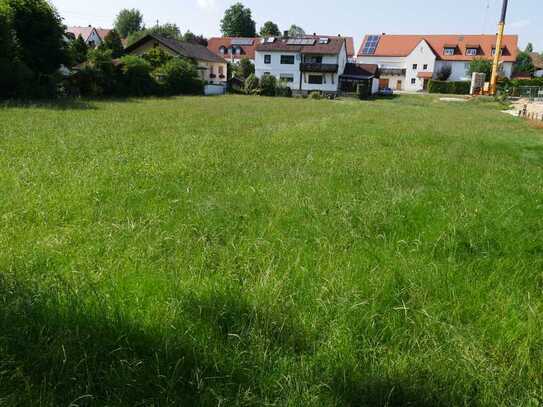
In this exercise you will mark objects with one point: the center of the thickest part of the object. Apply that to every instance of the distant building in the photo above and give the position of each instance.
(92, 36)
(234, 49)
(212, 68)
(408, 62)
(537, 60)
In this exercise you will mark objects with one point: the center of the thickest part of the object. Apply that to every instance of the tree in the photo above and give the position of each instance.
(180, 76)
(114, 43)
(480, 65)
(268, 83)
(295, 31)
(137, 76)
(128, 22)
(524, 63)
(168, 30)
(251, 85)
(79, 50)
(270, 29)
(444, 73)
(39, 34)
(157, 57)
(244, 69)
(238, 22)
(529, 48)
(195, 39)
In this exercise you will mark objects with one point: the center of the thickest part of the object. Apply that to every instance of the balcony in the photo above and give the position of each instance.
(316, 67)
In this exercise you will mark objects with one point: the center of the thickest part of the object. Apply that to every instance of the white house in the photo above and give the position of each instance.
(306, 64)
(212, 68)
(408, 62)
(91, 35)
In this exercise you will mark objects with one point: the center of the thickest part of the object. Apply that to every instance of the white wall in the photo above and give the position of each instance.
(421, 56)
(539, 74)
(94, 38)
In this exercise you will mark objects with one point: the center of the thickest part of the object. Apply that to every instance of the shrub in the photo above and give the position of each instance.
(283, 90)
(480, 65)
(268, 85)
(252, 85)
(444, 73)
(457, 88)
(315, 95)
(244, 69)
(136, 76)
(179, 76)
(157, 57)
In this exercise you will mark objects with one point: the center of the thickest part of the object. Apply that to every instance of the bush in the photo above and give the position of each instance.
(136, 76)
(244, 69)
(252, 85)
(480, 65)
(456, 88)
(283, 90)
(444, 73)
(179, 76)
(268, 85)
(315, 95)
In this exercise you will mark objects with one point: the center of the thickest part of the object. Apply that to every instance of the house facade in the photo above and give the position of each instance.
(234, 49)
(305, 64)
(92, 36)
(408, 62)
(211, 67)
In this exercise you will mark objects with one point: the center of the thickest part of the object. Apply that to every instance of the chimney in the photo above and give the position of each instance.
(285, 34)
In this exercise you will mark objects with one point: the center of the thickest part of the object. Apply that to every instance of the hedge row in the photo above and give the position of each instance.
(515, 83)
(456, 88)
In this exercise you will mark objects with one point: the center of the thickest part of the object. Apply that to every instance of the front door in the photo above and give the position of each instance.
(399, 85)
(383, 83)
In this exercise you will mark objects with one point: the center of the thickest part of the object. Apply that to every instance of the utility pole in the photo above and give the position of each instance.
(498, 54)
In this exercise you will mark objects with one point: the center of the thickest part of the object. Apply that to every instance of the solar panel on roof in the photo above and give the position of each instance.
(242, 41)
(371, 45)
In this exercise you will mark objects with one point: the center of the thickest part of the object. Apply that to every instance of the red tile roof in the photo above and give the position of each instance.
(403, 45)
(247, 51)
(85, 32)
(333, 46)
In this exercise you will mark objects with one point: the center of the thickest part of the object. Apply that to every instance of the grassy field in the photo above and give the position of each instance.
(282, 252)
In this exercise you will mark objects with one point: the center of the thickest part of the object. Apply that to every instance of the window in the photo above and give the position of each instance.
(471, 52)
(287, 59)
(222, 50)
(315, 79)
(286, 77)
(450, 51)
(413, 81)
(267, 59)
(221, 70)
(415, 66)
(313, 60)
(425, 67)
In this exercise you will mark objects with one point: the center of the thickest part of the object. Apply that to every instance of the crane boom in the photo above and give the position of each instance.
(498, 53)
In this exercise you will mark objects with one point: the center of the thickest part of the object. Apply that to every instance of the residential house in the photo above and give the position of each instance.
(408, 62)
(212, 68)
(537, 60)
(91, 35)
(234, 49)
(305, 64)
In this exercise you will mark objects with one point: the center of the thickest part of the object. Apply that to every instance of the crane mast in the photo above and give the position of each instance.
(498, 53)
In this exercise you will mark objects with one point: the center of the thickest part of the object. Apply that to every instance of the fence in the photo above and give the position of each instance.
(525, 113)
(534, 93)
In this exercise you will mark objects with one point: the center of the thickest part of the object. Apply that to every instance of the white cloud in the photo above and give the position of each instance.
(520, 24)
(207, 4)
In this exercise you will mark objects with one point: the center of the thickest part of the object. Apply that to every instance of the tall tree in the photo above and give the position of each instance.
(128, 22)
(524, 63)
(270, 29)
(167, 30)
(114, 43)
(529, 48)
(296, 31)
(238, 22)
(480, 65)
(79, 50)
(195, 39)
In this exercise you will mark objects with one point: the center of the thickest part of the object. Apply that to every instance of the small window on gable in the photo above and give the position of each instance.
(425, 67)
(415, 66)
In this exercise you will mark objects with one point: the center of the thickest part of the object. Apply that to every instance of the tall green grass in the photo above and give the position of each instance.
(253, 251)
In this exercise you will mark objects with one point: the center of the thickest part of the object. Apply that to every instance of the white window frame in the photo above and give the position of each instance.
(449, 51)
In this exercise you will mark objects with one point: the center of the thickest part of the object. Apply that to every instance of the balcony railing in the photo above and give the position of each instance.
(392, 72)
(316, 67)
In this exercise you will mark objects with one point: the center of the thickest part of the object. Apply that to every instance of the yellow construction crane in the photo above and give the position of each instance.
(498, 53)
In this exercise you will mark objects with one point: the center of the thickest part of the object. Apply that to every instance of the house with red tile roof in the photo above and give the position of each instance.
(408, 62)
(306, 64)
(234, 49)
(91, 35)
(537, 60)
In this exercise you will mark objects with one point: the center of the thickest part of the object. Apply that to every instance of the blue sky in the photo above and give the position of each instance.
(348, 17)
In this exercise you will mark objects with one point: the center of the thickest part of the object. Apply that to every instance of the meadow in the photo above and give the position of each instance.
(246, 251)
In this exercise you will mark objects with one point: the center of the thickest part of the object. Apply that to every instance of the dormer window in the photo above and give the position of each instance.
(449, 51)
(471, 52)
(222, 50)
(494, 51)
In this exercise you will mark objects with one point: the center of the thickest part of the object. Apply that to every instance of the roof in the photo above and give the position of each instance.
(85, 32)
(333, 47)
(537, 60)
(185, 49)
(425, 75)
(361, 70)
(403, 45)
(349, 42)
(247, 51)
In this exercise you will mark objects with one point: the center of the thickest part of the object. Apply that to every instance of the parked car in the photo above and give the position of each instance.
(386, 92)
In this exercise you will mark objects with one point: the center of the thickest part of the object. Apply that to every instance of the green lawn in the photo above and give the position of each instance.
(283, 252)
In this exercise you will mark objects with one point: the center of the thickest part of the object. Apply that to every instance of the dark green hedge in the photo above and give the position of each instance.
(456, 88)
(515, 83)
